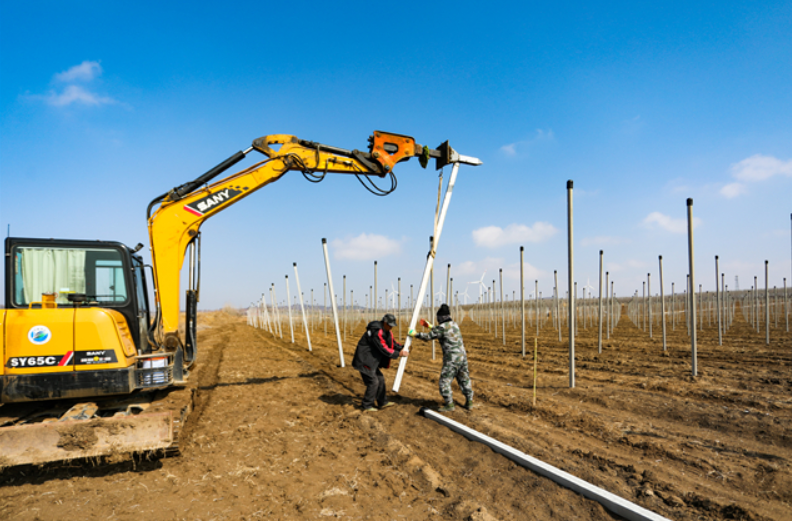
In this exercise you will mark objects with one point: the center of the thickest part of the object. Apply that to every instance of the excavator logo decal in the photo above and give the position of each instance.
(201, 206)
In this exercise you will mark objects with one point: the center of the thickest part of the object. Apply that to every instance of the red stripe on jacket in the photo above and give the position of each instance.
(389, 350)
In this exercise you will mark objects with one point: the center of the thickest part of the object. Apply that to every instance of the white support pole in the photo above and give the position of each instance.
(767, 306)
(425, 278)
(302, 308)
(692, 292)
(662, 303)
(333, 302)
(522, 297)
(431, 291)
(599, 330)
(649, 301)
(376, 308)
(288, 305)
(571, 285)
(718, 303)
(399, 311)
(502, 307)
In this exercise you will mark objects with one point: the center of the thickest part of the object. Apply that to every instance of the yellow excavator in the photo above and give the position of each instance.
(84, 349)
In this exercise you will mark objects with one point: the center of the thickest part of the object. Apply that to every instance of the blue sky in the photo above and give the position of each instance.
(104, 106)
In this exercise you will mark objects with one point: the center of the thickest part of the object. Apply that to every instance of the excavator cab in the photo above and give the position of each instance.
(76, 322)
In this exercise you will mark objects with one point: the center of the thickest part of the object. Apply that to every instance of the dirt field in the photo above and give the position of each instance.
(276, 433)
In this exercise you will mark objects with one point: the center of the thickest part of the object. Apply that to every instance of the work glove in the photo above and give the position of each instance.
(424, 323)
(411, 333)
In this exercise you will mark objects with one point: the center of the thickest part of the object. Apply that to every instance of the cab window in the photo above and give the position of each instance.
(96, 272)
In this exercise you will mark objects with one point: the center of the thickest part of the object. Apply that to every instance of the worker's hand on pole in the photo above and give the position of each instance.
(404, 353)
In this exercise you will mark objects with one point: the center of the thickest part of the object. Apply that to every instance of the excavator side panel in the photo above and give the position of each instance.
(38, 341)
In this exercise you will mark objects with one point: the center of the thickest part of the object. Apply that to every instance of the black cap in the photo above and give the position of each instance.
(443, 311)
(390, 320)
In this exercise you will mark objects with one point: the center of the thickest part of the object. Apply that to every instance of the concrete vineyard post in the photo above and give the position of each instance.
(767, 306)
(718, 303)
(375, 294)
(302, 309)
(571, 286)
(431, 293)
(427, 269)
(649, 301)
(558, 304)
(398, 298)
(502, 308)
(344, 307)
(522, 297)
(333, 302)
(536, 306)
(599, 314)
(662, 304)
(288, 306)
(692, 292)
(607, 306)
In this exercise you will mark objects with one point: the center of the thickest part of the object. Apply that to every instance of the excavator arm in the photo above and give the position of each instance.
(175, 224)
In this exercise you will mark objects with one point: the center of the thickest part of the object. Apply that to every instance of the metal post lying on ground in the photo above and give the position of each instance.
(571, 283)
(692, 292)
(456, 160)
(302, 309)
(333, 302)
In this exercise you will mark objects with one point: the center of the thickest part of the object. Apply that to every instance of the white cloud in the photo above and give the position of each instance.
(86, 71)
(76, 94)
(76, 86)
(365, 247)
(539, 136)
(759, 168)
(602, 240)
(495, 236)
(658, 220)
(732, 190)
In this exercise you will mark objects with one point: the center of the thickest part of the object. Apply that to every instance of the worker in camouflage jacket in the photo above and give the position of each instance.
(455, 363)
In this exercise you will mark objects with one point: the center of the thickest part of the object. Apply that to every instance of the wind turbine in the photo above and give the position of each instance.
(441, 293)
(464, 294)
(394, 294)
(482, 286)
(589, 286)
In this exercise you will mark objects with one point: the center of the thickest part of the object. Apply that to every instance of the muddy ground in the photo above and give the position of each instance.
(276, 433)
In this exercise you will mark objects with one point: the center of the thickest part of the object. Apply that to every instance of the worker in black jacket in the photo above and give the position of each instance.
(375, 349)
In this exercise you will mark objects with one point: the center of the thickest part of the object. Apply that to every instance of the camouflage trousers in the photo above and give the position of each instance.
(455, 367)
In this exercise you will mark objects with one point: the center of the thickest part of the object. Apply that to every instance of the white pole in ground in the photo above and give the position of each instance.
(662, 303)
(522, 297)
(558, 304)
(718, 303)
(431, 290)
(599, 331)
(649, 302)
(398, 297)
(692, 285)
(571, 285)
(425, 278)
(333, 302)
(344, 307)
(448, 284)
(536, 305)
(767, 307)
(302, 308)
(288, 305)
(376, 294)
(277, 311)
(607, 305)
(502, 306)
